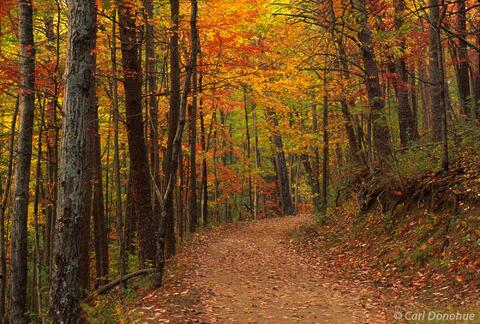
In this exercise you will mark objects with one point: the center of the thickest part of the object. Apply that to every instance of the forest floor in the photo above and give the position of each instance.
(255, 272)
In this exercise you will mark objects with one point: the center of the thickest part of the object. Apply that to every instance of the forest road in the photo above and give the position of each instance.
(249, 273)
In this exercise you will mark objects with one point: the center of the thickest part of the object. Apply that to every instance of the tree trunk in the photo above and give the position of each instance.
(120, 231)
(53, 46)
(325, 172)
(176, 149)
(314, 183)
(437, 87)
(476, 70)
(353, 141)
(37, 292)
(462, 60)
(169, 168)
(3, 207)
(19, 253)
(249, 164)
(406, 119)
(141, 181)
(281, 168)
(98, 208)
(192, 193)
(204, 181)
(152, 106)
(65, 290)
(381, 132)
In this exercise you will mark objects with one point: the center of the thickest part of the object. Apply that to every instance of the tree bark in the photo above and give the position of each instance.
(141, 181)
(19, 252)
(406, 119)
(326, 156)
(192, 193)
(249, 163)
(120, 230)
(65, 290)
(152, 105)
(463, 79)
(176, 148)
(96, 188)
(3, 208)
(353, 141)
(169, 168)
(281, 168)
(437, 87)
(381, 132)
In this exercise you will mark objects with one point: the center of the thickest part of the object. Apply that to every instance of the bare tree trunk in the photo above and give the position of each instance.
(176, 148)
(462, 63)
(37, 253)
(425, 92)
(281, 168)
(204, 181)
(405, 116)
(18, 270)
(381, 132)
(96, 183)
(414, 100)
(152, 105)
(476, 70)
(439, 113)
(120, 231)
(141, 181)
(52, 140)
(65, 290)
(354, 142)
(192, 194)
(3, 207)
(172, 123)
(249, 164)
(325, 172)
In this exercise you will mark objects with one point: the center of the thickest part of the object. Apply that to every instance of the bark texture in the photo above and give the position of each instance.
(141, 180)
(18, 269)
(65, 290)
(381, 132)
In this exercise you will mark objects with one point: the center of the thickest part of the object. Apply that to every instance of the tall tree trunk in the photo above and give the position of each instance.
(53, 37)
(192, 193)
(97, 208)
(406, 119)
(353, 141)
(37, 292)
(204, 181)
(462, 57)
(152, 106)
(325, 171)
(314, 183)
(281, 168)
(381, 132)
(3, 208)
(18, 270)
(439, 114)
(425, 90)
(476, 70)
(120, 231)
(141, 181)
(169, 168)
(249, 164)
(176, 148)
(65, 290)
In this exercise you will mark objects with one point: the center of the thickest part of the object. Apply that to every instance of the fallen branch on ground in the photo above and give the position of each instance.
(116, 282)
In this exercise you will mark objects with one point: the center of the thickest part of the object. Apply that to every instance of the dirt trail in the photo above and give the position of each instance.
(248, 273)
